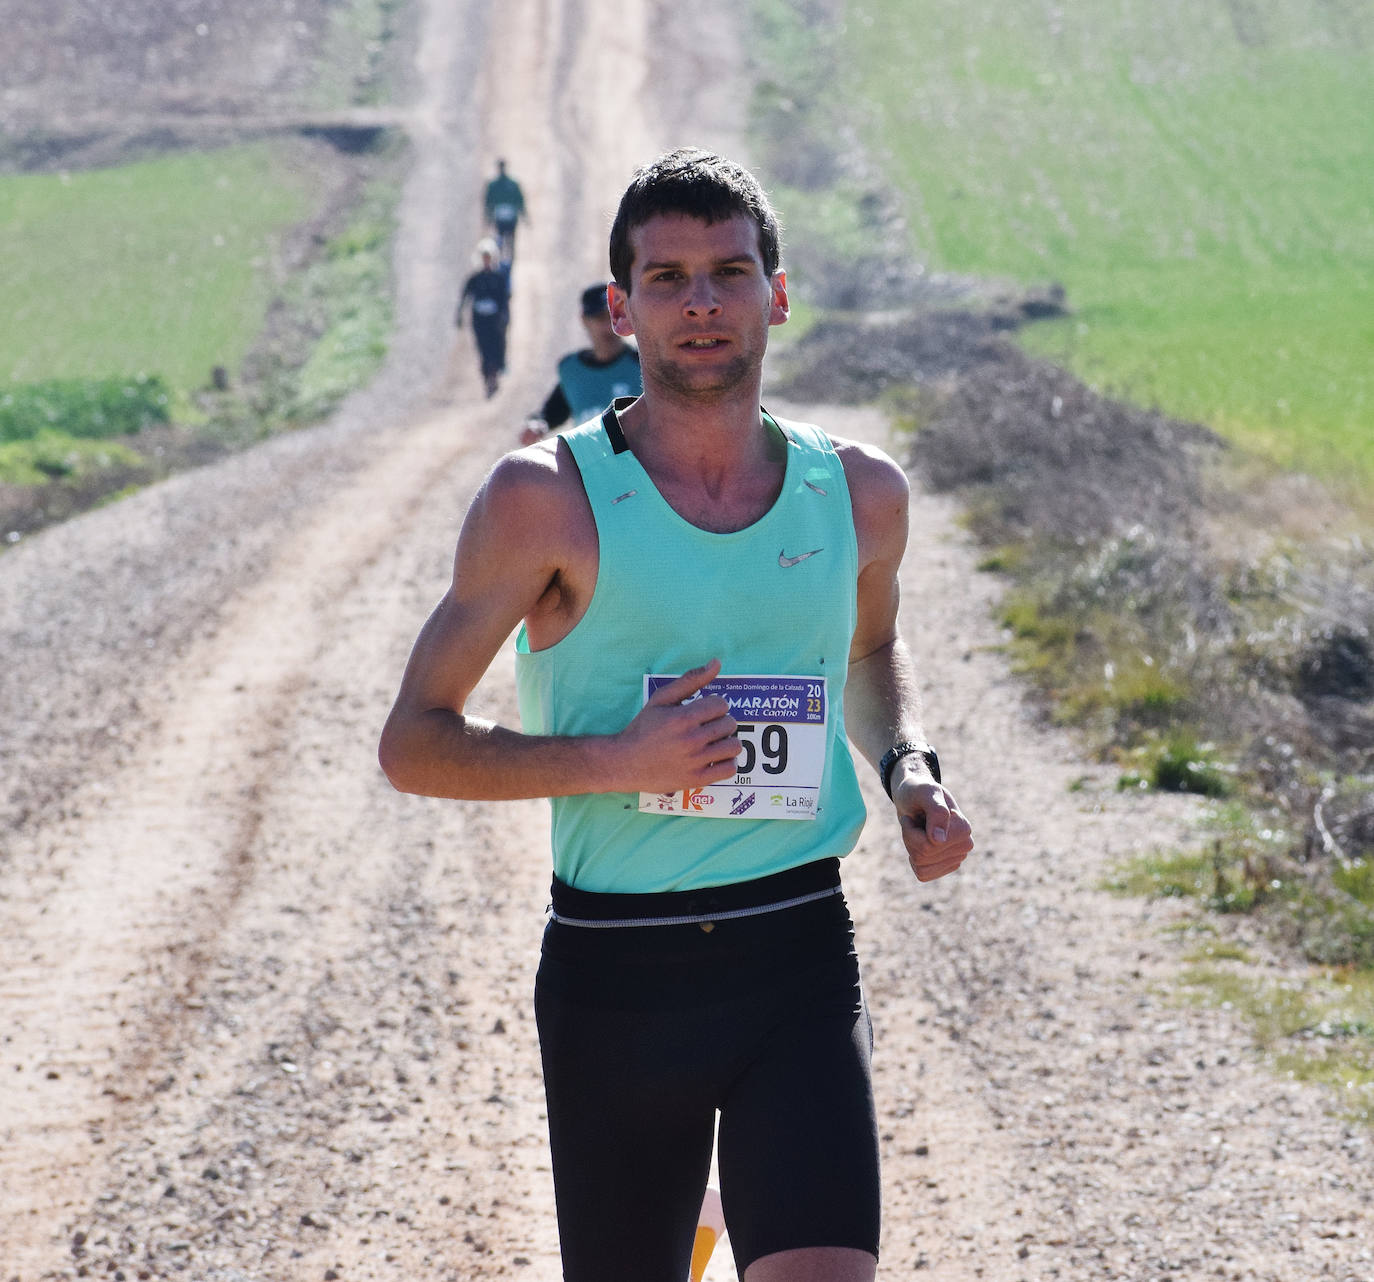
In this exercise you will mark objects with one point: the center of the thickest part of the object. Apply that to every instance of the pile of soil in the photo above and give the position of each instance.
(107, 65)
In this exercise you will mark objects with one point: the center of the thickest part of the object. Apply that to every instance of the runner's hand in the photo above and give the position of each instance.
(680, 738)
(937, 836)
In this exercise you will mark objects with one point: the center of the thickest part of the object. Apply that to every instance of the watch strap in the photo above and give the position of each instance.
(907, 749)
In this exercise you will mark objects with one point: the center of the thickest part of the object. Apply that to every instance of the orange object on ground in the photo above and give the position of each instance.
(710, 1229)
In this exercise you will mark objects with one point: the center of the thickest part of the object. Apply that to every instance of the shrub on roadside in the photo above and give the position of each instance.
(54, 456)
(85, 408)
(1184, 765)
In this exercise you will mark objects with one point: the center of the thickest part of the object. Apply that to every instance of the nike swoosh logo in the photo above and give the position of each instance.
(787, 562)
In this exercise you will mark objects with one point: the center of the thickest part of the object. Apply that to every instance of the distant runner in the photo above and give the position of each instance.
(504, 205)
(487, 294)
(589, 379)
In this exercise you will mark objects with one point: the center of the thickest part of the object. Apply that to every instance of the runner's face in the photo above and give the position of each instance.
(700, 303)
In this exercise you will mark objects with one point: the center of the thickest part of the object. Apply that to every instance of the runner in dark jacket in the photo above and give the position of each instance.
(486, 293)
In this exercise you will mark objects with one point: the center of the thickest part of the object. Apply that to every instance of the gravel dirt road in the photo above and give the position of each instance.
(265, 1019)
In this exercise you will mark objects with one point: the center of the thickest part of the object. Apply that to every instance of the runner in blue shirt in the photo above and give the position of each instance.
(589, 379)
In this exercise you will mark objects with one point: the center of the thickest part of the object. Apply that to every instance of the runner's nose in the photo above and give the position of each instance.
(701, 298)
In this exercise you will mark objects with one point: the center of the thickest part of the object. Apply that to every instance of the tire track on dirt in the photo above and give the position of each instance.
(324, 1101)
(176, 834)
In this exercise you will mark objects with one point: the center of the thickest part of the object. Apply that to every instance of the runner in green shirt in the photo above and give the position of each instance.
(503, 205)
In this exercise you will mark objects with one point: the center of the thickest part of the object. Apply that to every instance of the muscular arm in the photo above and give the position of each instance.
(882, 704)
(527, 552)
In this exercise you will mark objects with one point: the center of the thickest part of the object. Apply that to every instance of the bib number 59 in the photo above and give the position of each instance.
(769, 753)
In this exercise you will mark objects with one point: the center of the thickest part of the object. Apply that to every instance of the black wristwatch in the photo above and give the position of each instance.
(899, 750)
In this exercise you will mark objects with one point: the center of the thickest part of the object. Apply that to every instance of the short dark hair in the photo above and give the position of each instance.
(701, 185)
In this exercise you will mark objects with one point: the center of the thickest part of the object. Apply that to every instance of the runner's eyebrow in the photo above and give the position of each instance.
(733, 260)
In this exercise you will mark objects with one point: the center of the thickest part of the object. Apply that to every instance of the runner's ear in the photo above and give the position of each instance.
(619, 302)
(781, 309)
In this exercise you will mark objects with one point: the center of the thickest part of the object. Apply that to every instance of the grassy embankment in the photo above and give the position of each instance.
(140, 280)
(1205, 194)
(165, 269)
(1199, 178)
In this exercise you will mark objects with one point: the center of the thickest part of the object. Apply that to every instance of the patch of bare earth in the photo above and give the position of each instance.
(266, 1019)
(68, 62)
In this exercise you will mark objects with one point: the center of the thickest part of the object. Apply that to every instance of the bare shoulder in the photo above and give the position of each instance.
(540, 473)
(879, 493)
(528, 549)
(534, 494)
(874, 476)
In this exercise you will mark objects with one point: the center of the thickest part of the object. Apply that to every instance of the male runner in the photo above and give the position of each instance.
(486, 294)
(707, 599)
(503, 205)
(589, 379)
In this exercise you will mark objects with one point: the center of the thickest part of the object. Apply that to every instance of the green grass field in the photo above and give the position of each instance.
(163, 267)
(1199, 177)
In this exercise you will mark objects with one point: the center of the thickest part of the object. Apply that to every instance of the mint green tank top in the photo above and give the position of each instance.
(777, 598)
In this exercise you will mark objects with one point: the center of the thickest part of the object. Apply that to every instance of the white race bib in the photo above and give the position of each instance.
(782, 732)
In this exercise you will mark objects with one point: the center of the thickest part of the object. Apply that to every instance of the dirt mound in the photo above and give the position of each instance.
(849, 360)
(89, 86)
(1068, 462)
(64, 58)
(1130, 539)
